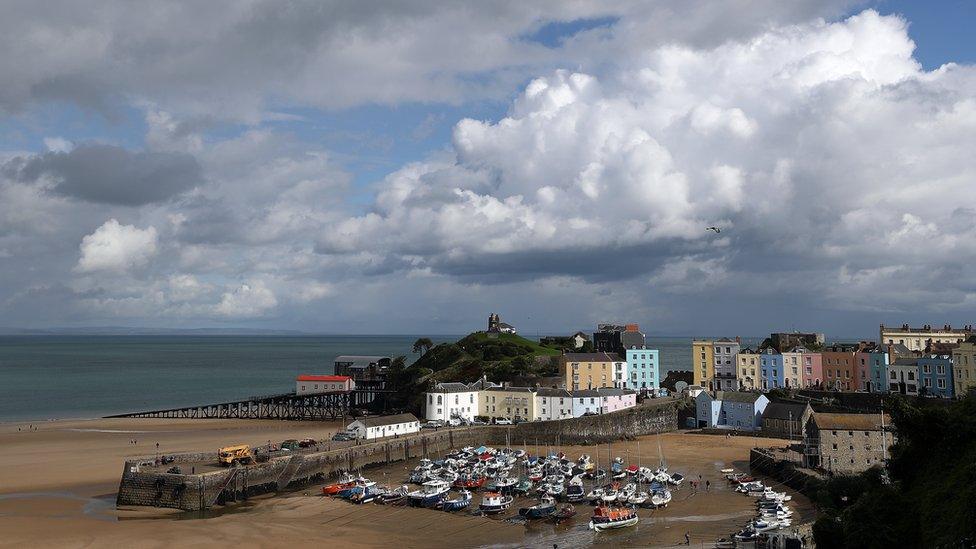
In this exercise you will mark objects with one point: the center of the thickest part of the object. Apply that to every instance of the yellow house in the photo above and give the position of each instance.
(508, 402)
(702, 363)
(964, 366)
(747, 370)
(589, 370)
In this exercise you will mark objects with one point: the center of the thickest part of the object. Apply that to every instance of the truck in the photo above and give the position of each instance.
(235, 455)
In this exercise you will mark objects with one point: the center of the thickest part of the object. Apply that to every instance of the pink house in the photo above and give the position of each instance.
(811, 372)
(617, 399)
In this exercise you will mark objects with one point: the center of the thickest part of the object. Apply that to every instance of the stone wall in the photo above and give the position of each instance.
(805, 481)
(193, 492)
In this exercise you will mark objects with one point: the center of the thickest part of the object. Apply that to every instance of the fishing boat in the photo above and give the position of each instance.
(632, 470)
(638, 499)
(357, 485)
(727, 471)
(747, 534)
(597, 474)
(606, 518)
(574, 491)
(347, 481)
(676, 479)
(564, 513)
(432, 492)
(610, 494)
(394, 497)
(493, 502)
(543, 509)
(470, 482)
(367, 494)
(456, 504)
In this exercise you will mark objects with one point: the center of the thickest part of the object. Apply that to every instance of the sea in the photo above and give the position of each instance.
(67, 377)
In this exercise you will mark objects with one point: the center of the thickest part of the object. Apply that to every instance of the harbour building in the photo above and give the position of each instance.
(643, 370)
(846, 443)
(702, 360)
(964, 367)
(916, 339)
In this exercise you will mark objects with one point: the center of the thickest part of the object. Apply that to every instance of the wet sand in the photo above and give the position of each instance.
(58, 484)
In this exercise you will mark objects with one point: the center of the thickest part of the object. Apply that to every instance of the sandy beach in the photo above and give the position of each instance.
(58, 485)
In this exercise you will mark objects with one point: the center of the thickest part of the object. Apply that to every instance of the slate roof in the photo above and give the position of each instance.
(547, 392)
(389, 420)
(592, 357)
(782, 410)
(849, 422)
(512, 389)
(452, 388)
(737, 396)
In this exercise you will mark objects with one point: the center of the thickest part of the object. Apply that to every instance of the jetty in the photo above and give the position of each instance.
(289, 406)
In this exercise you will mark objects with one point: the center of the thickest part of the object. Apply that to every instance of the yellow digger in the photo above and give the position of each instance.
(235, 455)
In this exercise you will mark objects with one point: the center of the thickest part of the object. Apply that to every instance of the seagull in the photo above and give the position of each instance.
(716, 229)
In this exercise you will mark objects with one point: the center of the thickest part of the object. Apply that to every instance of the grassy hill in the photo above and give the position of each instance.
(499, 357)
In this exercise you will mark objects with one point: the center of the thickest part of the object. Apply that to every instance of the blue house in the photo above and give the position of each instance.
(935, 373)
(771, 366)
(878, 370)
(643, 369)
(730, 410)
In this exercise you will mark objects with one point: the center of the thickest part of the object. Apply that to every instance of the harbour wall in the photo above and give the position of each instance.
(805, 481)
(142, 485)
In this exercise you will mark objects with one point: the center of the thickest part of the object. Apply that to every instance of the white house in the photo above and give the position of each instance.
(451, 400)
(309, 384)
(730, 410)
(553, 404)
(620, 374)
(617, 399)
(694, 390)
(384, 426)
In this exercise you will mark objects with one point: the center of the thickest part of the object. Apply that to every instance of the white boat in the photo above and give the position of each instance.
(638, 498)
(661, 498)
(493, 502)
(595, 495)
(555, 490)
(610, 496)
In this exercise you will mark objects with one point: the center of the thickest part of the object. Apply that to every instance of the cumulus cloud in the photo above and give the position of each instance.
(110, 174)
(247, 300)
(117, 248)
(804, 142)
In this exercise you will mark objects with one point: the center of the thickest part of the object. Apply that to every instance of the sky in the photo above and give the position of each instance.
(392, 167)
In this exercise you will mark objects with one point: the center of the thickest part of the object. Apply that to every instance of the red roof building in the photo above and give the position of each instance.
(310, 384)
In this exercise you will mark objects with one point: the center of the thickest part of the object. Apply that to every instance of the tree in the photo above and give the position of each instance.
(422, 344)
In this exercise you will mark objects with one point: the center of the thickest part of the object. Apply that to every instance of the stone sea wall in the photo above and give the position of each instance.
(192, 492)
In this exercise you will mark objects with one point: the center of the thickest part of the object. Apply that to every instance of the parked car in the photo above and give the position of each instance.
(290, 445)
(503, 421)
(478, 422)
(342, 436)
(307, 442)
(455, 422)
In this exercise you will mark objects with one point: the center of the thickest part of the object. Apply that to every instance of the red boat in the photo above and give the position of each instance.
(632, 470)
(470, 483)
(332, 489)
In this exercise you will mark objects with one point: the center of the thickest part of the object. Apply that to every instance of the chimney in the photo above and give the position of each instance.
(738, 340)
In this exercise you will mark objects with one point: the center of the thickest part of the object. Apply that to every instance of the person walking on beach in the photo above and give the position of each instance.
(687, 538)
(707, 484)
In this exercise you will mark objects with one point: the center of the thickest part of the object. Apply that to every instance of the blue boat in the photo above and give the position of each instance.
(431, 493)
(458, 503)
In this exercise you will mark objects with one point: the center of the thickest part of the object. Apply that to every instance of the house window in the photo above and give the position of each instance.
(941, 383)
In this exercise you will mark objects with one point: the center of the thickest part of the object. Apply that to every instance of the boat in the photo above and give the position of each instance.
(564, 513)
(727, 471)
(597, 474)
(431, 493)
(368, 494)
(470, 482)
(747, 534)
(676, 479)
(543, 509)
(456, 504)
(632, 470)
(493, 502)
(394, 497)
(357, 486)
(594, 495)
(661, 498)
(523, 487)
(606, 518)
(610, 494)
(574, 491)
(555, 489)
(347, 481)
(638, 499)
(506, 485)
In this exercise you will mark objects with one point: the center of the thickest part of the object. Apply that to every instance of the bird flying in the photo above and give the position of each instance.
(716, 229)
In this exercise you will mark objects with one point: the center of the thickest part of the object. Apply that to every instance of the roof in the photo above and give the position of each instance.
(785, 410)
(849, 422)
(512, 389)
(547, 392)
(482, 384)
(592, 357)
(312, 377)
(585, 336)
(452, 388)
(737, 396)
(360, 358)
(388, 420)
(905, 362)
(602, 392)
